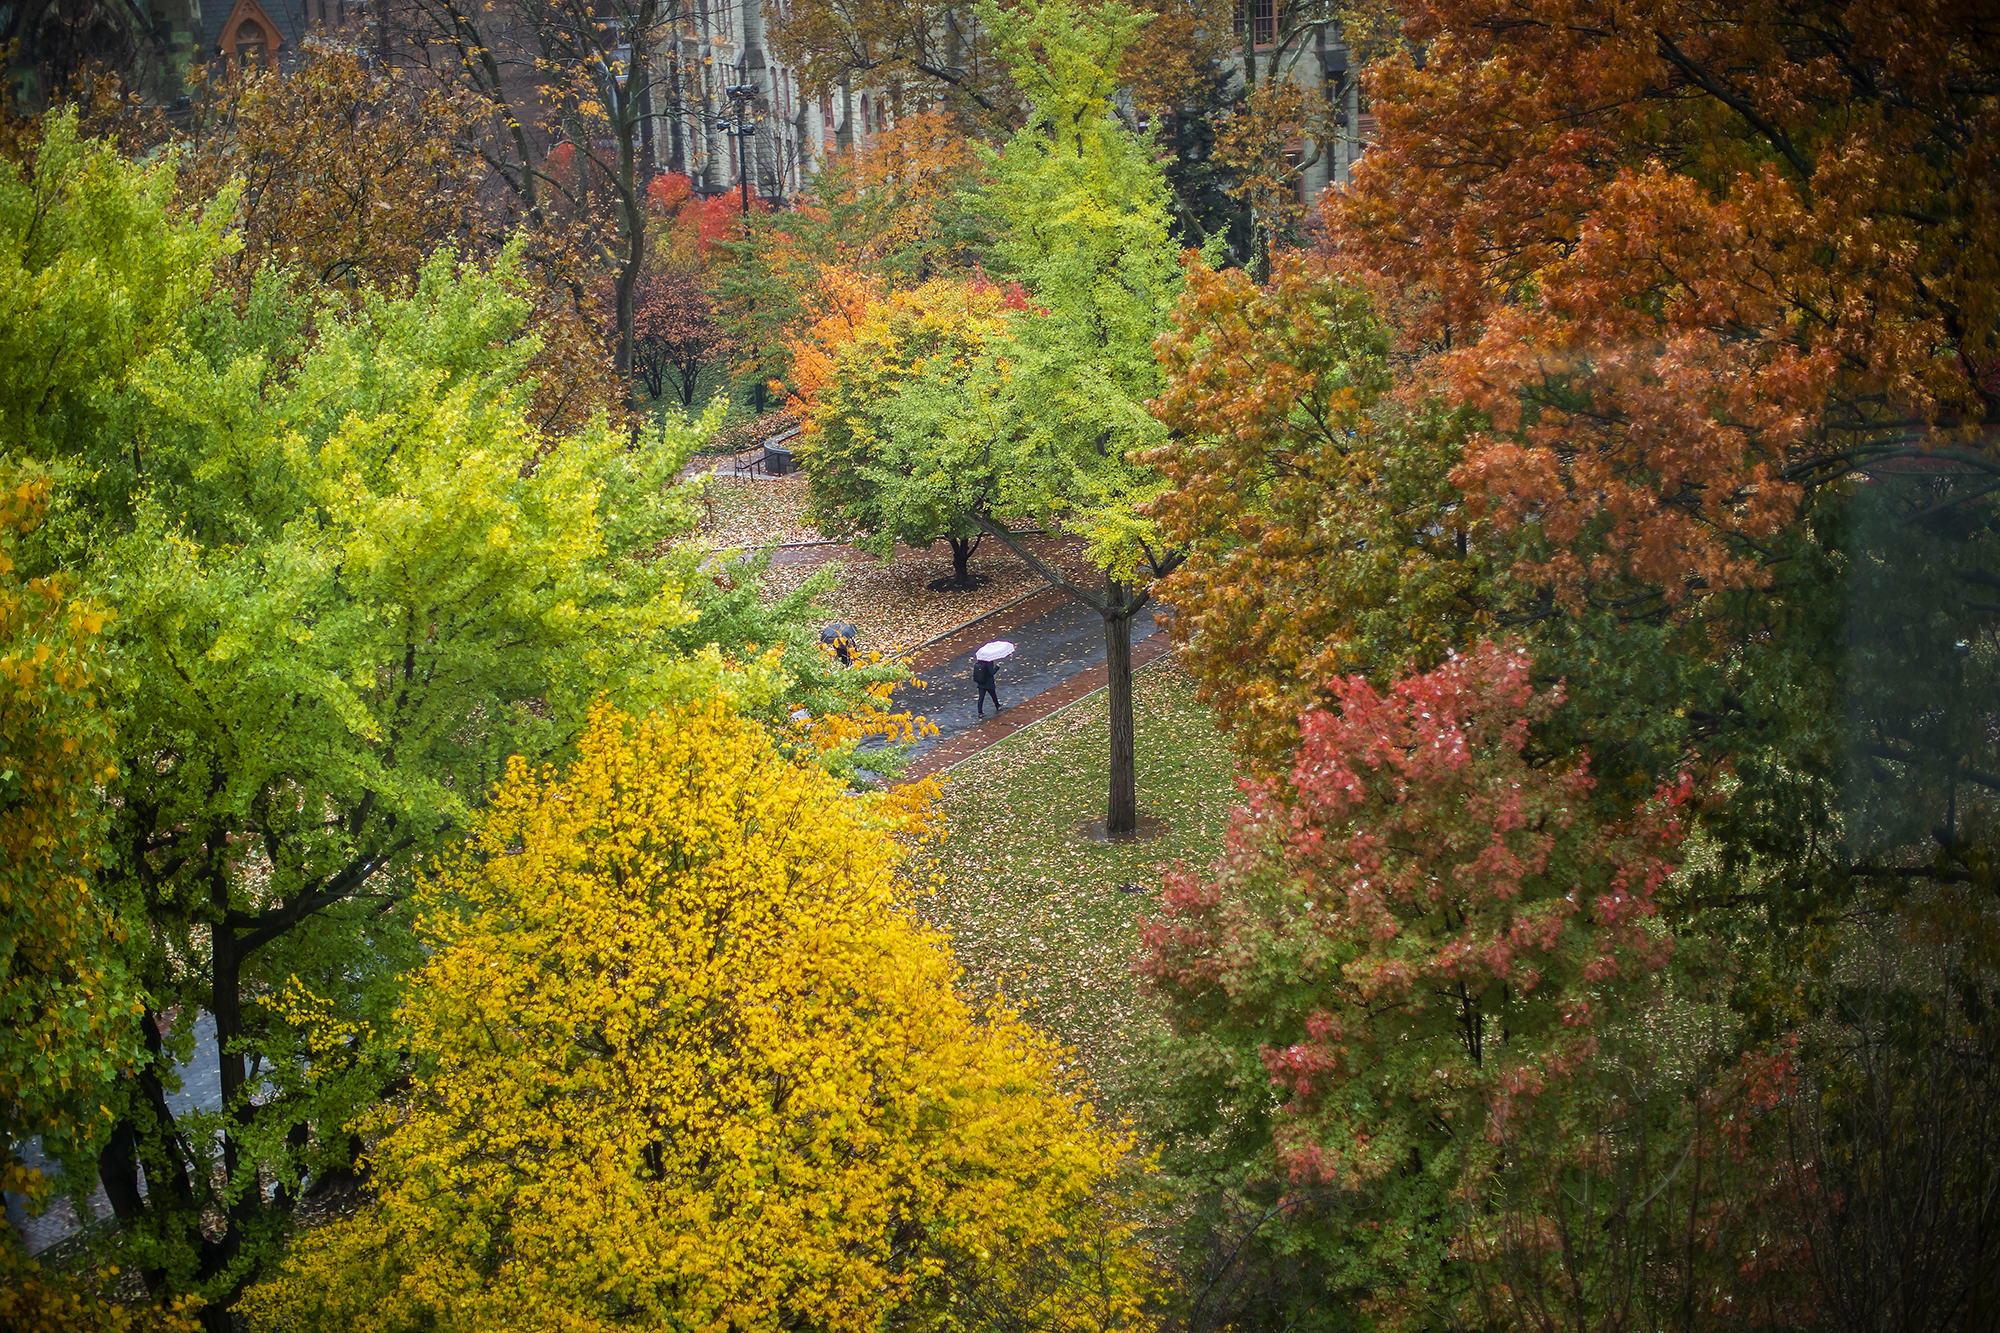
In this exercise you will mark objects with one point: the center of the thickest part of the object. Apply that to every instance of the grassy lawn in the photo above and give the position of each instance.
(1034, 909)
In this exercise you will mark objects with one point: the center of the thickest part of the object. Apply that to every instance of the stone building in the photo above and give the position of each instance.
(725, 46)
(1324, 64)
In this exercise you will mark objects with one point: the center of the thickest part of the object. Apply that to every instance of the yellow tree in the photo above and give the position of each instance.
(685, 1062)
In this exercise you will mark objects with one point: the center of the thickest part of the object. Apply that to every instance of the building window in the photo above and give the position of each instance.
(1262, 13)
(251, 46)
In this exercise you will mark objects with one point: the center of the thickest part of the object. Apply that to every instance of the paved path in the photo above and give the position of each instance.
(954, 749)
(201, 1089)
(1060, 658)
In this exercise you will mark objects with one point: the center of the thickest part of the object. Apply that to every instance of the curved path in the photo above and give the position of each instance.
(1059, 659)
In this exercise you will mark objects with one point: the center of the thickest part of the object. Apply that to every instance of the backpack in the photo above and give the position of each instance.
(982, 674)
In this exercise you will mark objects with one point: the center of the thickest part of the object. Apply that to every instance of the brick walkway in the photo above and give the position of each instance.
(1030, 711)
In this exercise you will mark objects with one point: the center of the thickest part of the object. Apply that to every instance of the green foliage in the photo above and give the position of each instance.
(355, 581)
(96, 270)
(1079, 207)
(66, 991)
(889, 456)
(351, 580)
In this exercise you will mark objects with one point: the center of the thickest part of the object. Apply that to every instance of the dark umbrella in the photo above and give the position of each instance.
(839, 635)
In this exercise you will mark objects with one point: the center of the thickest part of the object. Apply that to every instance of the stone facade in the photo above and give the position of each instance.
(727, 46)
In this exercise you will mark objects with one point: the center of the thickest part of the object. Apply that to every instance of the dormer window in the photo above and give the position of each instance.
(252, 45)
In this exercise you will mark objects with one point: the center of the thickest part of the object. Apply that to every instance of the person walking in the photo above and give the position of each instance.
(985, 675)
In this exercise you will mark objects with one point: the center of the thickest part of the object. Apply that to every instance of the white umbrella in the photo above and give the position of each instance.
(995, 650)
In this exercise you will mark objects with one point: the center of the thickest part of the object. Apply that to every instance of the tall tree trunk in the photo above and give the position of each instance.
(168, 1188)
(1122, 805)
(1260, 234)
(633, 222)
(1116, 606)
(226, 958)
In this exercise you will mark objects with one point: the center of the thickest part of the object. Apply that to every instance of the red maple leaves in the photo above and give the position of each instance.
(1422, 911)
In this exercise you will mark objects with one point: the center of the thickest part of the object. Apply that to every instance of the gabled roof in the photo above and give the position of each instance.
(280, 16)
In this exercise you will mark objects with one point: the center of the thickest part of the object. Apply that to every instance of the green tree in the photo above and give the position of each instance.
(351, 578)
(875, 458)
(1045, 419)
(97, 271)
(354, 581)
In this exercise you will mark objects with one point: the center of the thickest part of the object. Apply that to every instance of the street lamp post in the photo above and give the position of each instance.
(741, 126)
(741, 95)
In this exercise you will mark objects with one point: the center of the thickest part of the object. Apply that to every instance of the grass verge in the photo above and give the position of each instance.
(1036, 911)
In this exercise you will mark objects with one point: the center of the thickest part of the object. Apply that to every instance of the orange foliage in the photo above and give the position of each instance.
(1685, 263)
(843, 301)
(691, 225)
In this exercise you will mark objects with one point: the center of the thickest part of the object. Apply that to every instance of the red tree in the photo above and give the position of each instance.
(675, 332)
(1417, 938)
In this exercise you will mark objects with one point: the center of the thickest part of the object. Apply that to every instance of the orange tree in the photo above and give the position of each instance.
(885, 215)
(874, 466)
(1720, 294)
(1317, 512)
(1692, 344)
(684, 1060)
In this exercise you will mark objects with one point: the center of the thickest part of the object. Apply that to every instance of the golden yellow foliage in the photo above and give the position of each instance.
(34, 1298)
(686, 1062)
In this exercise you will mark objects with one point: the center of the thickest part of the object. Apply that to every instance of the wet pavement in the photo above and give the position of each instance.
(201, 1089)
(1065, 641)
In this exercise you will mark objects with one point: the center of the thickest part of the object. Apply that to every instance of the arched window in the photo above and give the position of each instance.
(251, 45)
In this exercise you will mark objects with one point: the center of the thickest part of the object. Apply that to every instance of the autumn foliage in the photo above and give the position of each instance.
(1653, 342)
(67, 993)
(1447, 919)
(66, 998)
(685, 1062)
(351, 176)
(1683, 264)
(1418, 934)
(675, 332)
(1318, 520)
